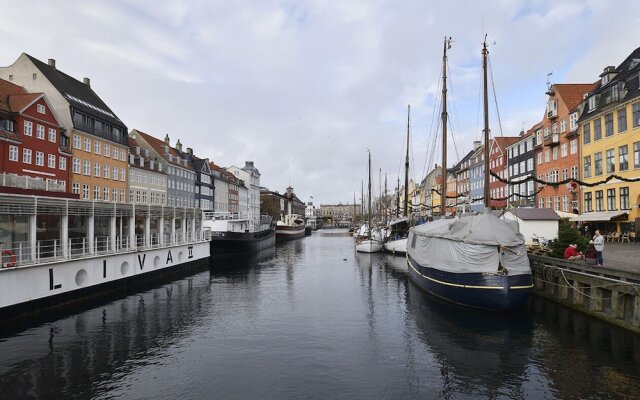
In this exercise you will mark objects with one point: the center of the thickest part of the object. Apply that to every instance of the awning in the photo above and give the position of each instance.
(598, 216)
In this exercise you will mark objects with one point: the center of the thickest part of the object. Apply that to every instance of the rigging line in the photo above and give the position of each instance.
(455, 112)
(434, 121)
(495, 97)
(455, 145)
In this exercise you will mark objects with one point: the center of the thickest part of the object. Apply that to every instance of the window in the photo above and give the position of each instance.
(40, 158)
(608, 124)
(86, 167)
(105, 194)
(592, 103)
(539, 158)
(563, 150)
(52, 135)
(115, 153)
(573, 121)
(565, 203)
(96, 169)
(122, 195)
(611, 199)
(636, 155)
(76, 141)
(587, 167)
(114, 194)
(13, 153)
(87, 144)
(62, 164)
(539, 136)
(565, 174)
(28, 128)
(588, 205)
(574, 172)
(107, 150)
(541, 203)
(597, 163)
(115, 174)
(611, 163)
(85, 192)
(546, 132)
(622, 119)
(40, 108)
(76, 166)
(123, 155)
(599, 200)
(555, 153)
(556, 203)
(96, 192)
(40, 131)
(547, 155)
(554, 128)
(597, 129)
(75, 188)
(51, 161)
(106, 171)
(548, 202)
(122, 176)
(586, 133)
(623, 158)
(636, 115)
(530, 165)
(573, 146)
(97, 147)
(624, 198)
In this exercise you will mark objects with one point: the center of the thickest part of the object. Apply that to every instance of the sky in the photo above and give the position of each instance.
(305, 88)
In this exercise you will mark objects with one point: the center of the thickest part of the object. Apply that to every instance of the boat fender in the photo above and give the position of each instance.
(12, 258)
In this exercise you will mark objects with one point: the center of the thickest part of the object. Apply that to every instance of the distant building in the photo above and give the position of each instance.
(147, 182)
(462, 179)
(340, 212)
(476, 180)
(521, 165)
(251, 177)
(498, 161)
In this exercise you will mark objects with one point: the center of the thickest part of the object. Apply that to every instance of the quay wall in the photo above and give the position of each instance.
(608, 294)
(43, 286)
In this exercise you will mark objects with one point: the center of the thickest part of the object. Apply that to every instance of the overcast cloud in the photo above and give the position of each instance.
(304, 87)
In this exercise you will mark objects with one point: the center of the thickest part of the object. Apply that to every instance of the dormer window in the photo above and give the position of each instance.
(552, 108)
(40, 108)
(605, 80)
(591, 103)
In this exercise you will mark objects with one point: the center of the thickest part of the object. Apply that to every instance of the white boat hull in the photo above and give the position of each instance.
(369, 246)
(398, 246)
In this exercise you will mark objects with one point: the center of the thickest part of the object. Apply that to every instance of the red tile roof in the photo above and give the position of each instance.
(573, 93)
(14, 98)
(158, 146)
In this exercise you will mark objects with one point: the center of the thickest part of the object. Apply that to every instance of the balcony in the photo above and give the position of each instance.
(29, 182)
(552, 140)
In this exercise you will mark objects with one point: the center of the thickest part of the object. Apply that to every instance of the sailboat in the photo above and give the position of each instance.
(398, 229)
(478, 260)
(369, 242)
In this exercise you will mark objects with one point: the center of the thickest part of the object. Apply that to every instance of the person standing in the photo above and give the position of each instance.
(598, 243)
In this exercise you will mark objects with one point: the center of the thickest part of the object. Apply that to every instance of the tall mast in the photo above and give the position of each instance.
(362, 198)
(385, 199)
(398, 199)
(406, 165)
(355, 213)
(369, 199)
(487, 195)
(443, 192)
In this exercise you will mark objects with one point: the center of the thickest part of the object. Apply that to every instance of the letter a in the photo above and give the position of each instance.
(169, 257)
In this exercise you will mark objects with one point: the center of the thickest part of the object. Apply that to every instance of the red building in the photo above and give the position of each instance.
(35, 151)
(498, 164)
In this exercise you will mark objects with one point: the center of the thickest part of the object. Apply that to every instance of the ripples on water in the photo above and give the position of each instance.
(313, 320)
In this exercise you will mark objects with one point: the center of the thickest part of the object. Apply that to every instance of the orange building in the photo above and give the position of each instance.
(556, 146)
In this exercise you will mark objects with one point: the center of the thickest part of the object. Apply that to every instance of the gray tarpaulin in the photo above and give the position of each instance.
(474, 243)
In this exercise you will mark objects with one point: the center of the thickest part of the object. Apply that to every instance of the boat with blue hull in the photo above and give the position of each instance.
(479, 290)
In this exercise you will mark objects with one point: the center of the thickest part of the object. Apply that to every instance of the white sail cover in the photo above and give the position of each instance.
(476, 243)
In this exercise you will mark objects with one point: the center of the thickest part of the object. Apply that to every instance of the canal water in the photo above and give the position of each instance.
(313, 320)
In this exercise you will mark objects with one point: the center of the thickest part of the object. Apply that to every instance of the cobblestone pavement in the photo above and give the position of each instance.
(624, 256)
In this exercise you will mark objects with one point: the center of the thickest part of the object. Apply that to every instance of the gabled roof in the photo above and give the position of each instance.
(526, 214)
(14, 98)
(158, 147)
(504, 141)
(147, 160)
(78, 94)
(200, 164)
(572, 93)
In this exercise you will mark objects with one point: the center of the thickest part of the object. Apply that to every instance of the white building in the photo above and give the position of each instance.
(251, 177)
(221, 187)
(534, 222)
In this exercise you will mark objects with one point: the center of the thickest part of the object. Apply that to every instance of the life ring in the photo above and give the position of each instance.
(11, 256)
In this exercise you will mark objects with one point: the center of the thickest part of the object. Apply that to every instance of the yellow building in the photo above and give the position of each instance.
(610, 145)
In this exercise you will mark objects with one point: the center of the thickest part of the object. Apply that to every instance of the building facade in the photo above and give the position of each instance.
(521, 165)
(251, 177)
(476, 180)
(98, 137)
(609, 126)
(221, 189)
(181, 179)
(147, 182)
(556, 148)
(35, 154)
(498, 161)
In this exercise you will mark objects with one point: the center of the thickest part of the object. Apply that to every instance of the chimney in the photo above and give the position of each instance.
(52, 63)
(167, 140)
(87, 81)
(476, 144)
(179, 145)
(190, 151)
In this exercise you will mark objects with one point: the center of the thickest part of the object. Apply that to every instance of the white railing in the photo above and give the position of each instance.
(17, 254)
(29, 182)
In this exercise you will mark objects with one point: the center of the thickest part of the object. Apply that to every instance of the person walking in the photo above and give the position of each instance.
(598, 243)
